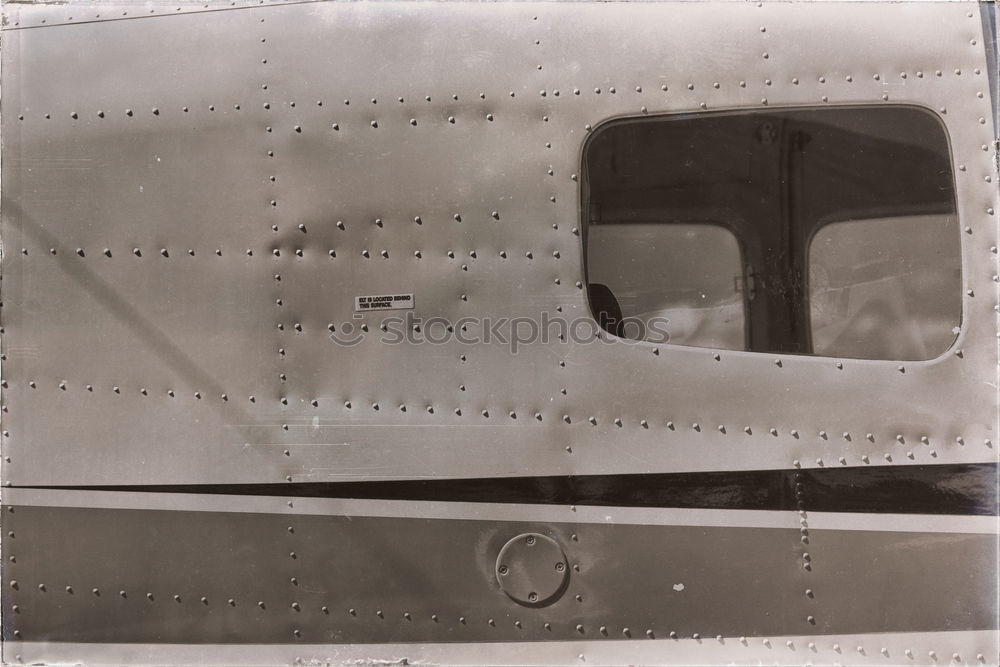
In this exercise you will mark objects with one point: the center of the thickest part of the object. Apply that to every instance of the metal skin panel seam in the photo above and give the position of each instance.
(21, 15)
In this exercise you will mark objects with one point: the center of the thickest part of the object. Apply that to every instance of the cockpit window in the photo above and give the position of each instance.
(884, 288)
(685, 278)
(810, 231)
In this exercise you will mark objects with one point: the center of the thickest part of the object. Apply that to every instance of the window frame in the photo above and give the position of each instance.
(585, 207)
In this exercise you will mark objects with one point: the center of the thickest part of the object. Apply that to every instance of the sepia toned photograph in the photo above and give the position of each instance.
(440, 332)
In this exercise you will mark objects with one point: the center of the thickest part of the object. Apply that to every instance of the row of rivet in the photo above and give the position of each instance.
(163, 12)
(334, 125)
(294, 556)
(516, 623)
(566, 418)
(233, 3)
(489, 116)
(987, 179)
(552, 197)
(300, 252)
(669, 425)
(277, 294)
(804, 555)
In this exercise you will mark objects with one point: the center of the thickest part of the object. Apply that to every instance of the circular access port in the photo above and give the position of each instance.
(532, 569)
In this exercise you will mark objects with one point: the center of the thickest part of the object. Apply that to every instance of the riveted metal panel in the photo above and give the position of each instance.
(313, 576)
(258, 578)
(191, 201)
(447, 195)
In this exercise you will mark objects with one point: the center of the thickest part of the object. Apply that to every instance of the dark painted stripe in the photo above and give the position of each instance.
(246, 578)
(913, 489)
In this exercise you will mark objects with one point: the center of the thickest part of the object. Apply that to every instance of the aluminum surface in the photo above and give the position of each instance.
(255, 575)
(193, 194)
(189, 171)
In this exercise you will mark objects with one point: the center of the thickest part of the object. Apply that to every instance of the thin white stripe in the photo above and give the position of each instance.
(502, 512)
(790, 650)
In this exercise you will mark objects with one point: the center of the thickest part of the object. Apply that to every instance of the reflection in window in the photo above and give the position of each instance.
(688, 276)
(885, 288)
(811, 231)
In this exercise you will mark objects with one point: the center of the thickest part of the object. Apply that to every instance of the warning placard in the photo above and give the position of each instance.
(384, 302)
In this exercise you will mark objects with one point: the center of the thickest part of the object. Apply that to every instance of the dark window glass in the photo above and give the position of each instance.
(808, 231)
